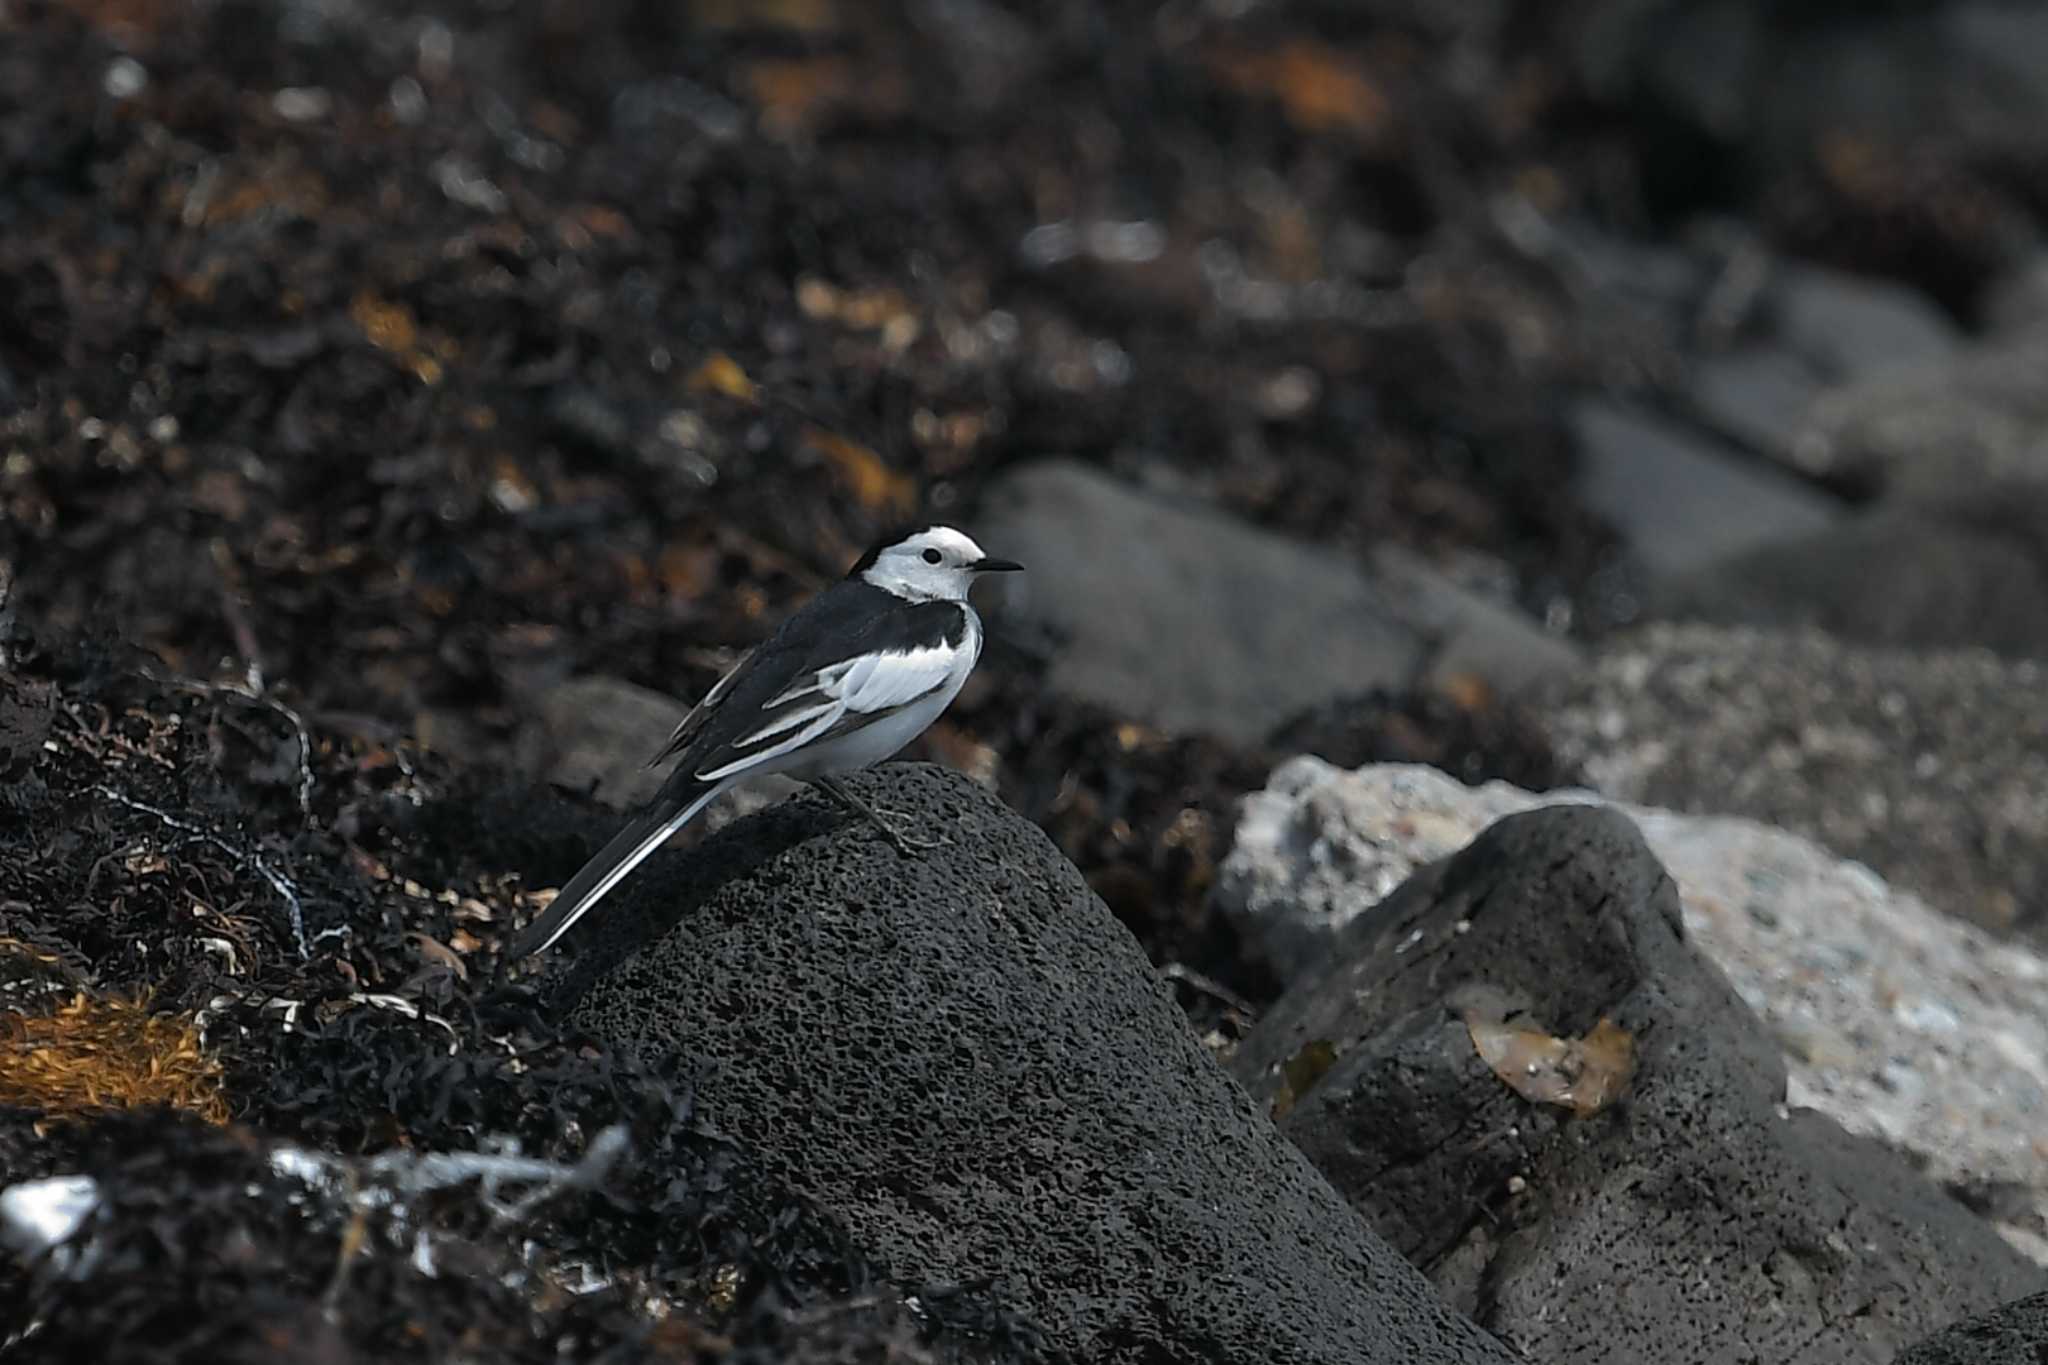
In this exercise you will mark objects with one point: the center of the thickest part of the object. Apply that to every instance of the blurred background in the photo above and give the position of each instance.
(1627, 392)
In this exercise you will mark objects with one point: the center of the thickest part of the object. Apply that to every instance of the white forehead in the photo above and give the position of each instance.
(949, 542)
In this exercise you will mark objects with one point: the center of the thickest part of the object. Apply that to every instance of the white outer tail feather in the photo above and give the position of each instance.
(620, 870)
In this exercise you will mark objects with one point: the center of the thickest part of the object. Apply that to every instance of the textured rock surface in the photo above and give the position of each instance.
(1176, 615)
(1932, 768)
(2013, 1334)
(1741, 1230)
(1897, 1021)
(1967, 570)
(970, 1062)
(1680, 499)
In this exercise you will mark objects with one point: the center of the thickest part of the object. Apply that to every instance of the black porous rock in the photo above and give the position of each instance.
(2011, 1334)
(1693, 1218)
(967, 1060)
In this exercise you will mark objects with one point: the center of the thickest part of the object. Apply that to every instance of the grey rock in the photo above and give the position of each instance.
(1769, 83)
(1758, 395)
(1826, 328)
(1624, 48)
(966, 1059)
(595, 734)
(1959, 571)
(1300, 870)
(1633, 303)
(2016, 302)
(1741, 1230)
(1930, 767)
(1467, 634)
(1851, 328)
(1174, 614)
(1709, 61)
(1882, 1006)
(2009, 45)
(1658, 285)
(2012, 1334)
(1682, 500)
(1980, 416)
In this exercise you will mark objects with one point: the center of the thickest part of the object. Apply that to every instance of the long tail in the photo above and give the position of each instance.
(627, 850)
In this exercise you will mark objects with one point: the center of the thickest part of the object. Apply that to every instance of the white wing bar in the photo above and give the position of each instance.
(871, 685)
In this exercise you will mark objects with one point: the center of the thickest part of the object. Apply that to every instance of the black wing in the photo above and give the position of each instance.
(851, 656)
(853, 653)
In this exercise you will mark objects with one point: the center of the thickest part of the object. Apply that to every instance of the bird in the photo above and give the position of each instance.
(854, 675)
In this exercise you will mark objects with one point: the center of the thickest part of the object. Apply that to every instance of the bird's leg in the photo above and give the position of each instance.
(907, 845)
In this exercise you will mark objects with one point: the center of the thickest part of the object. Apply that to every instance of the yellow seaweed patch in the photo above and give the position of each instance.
(107, 1052)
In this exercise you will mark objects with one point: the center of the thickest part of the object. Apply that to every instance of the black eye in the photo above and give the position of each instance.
(932, 556)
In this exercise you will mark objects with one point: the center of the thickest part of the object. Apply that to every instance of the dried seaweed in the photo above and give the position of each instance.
(390, 1058)
(95, 1053)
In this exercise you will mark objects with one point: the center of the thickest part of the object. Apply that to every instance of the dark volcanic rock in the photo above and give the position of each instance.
(966, 1058)
(1742, 1232)
(2014, 1334)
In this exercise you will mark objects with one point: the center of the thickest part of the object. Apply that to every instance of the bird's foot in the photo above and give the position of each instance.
(909, 845)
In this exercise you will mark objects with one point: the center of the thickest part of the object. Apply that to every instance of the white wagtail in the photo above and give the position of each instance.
(855, 675)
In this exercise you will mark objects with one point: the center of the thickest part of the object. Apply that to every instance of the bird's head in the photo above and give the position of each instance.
(931, 563)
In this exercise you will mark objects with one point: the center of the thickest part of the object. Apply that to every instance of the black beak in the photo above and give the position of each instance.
(995, 566)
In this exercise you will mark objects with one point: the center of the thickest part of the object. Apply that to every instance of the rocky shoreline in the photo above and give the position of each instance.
(1507, 820)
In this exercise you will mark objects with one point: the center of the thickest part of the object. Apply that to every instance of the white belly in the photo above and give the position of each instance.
(872, 743)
